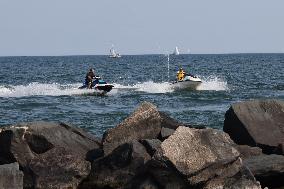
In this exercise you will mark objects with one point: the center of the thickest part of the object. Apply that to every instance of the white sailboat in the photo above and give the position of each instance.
(176, 52)
(113, 53)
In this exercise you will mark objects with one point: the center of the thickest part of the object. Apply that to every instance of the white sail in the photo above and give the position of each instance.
(176, 52)
(114, 54)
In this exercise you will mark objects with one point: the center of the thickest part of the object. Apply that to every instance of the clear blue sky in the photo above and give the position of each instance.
(73, 27)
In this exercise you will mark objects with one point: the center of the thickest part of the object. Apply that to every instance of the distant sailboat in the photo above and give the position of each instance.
(176, 52)
(113, 53)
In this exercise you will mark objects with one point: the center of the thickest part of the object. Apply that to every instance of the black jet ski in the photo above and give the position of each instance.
(98, 85)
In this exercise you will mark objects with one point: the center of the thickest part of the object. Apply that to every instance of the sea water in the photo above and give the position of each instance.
(46, 88)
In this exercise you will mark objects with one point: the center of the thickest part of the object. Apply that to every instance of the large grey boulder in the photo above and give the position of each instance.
(194, 158)
(11, 176)
(257, 123)
(200, 155)
(144, 123)
(267, 169)
(49, 154)
(117, 169)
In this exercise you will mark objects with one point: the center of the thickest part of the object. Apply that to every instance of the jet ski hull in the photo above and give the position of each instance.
(99, 86)
(186, 84)
(106, 88)
(189, 81)
(103, 88)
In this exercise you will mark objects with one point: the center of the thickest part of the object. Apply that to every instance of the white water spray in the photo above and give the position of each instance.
(211, 83)
(41, 89)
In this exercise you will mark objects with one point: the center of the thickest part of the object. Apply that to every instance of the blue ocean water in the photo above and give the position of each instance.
(46, 88)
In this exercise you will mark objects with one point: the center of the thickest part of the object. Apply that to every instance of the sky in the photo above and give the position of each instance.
(91, 27)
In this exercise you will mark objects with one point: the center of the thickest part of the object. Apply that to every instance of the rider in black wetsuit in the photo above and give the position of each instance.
(89, 78)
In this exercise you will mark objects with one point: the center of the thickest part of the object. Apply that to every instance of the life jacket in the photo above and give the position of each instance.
(180, 75)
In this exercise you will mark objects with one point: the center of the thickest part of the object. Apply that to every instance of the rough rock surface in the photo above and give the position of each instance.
(161, 175)
(242, 180)
(200, 155)
(58, 168)
(11, 176)
(267, 169)
(199, 158)
(47, 151)
(144, 123)
(257, 123)
(117, 169)
(248, 151)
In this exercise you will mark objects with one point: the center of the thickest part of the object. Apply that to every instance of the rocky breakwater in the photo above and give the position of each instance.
(259, 124)
(151, 150)
(147, 150)
(50, 155)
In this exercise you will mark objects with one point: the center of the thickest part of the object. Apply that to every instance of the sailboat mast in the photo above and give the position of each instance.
(168, 67)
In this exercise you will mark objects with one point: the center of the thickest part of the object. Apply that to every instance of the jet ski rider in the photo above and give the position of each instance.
(89, 78)
(181, 74)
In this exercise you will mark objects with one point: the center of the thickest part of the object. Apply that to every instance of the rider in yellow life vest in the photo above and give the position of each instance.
(180, 74)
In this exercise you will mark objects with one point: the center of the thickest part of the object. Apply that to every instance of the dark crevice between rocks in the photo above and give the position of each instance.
(151, 150)
(6, 156)
(195, 126)
(83, 185)
(118, 161)
(38, 143)
(144, 179)
(266, 149)
(29, 179)
(125, 156)
(164, 172)
(273, 181)
(94, 154)
(236, 130)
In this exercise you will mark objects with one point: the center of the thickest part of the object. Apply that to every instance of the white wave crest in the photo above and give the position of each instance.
(151, 87)
(212, 83)
(148, 87)
(37, 89)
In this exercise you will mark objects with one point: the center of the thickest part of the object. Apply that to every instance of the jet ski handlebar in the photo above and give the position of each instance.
(97, 77)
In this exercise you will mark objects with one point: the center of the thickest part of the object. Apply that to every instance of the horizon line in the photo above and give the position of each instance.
(233, 53)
